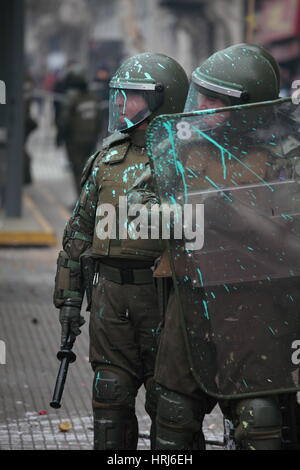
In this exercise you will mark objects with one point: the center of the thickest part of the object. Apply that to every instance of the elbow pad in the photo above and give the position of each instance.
(68, 281)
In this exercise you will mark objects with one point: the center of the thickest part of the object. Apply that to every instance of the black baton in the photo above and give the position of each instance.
(66, 356)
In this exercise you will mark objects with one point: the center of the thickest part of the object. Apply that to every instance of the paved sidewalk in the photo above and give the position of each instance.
(30, 329)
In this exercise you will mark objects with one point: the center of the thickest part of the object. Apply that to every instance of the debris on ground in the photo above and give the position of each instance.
(65, 426)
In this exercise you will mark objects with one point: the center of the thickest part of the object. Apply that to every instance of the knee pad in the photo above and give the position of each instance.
(290, 412)
(113, 387)
(259, 424)
(115, 423)
(178, 411)
(179, 422)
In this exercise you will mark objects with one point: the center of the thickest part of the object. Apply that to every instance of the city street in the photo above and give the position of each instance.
(31, 331)
(208, 92)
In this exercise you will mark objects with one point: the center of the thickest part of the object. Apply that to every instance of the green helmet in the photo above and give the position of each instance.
(267, 55)
(145, 86)
(243, 73)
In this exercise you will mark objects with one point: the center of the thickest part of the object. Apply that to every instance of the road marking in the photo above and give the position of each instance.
(65, 214)
(30, 237)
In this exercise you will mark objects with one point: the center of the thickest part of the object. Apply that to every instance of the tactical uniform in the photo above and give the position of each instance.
(237, 75)
(123, 304)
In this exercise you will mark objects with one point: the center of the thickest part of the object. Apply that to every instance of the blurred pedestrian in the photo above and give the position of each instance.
(60, 88)
(79, 124)
(29, 126)
(100, 86)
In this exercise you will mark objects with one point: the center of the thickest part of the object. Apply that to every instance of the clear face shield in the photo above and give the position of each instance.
(204, 95)
(198, 101)
(130, 104)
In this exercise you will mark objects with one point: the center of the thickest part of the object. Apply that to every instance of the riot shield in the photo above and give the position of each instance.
(237, 281)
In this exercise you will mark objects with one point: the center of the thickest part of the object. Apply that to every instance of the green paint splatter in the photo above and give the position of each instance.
(245, 383)
(215, 185)
(230, 155)
(128, 122)
(206, 309)
(200, 276)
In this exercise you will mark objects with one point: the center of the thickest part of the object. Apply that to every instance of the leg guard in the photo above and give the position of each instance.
(115, 423)
(179, 422)
(259, 424)
(290, 412)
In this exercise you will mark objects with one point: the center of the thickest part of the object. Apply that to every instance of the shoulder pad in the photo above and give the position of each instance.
(113, 139)
(116, 153)
(88, 167)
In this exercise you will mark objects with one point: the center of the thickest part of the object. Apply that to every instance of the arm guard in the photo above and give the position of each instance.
(77, 239)
(78, 234)
(67, 281)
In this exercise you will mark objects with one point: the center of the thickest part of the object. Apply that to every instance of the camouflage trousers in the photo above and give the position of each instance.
(123, 328)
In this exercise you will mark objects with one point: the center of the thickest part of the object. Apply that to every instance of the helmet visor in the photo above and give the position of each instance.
(129, 107)
(199, 99)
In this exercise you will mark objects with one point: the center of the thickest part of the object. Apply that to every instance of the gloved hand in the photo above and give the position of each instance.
(70, 320)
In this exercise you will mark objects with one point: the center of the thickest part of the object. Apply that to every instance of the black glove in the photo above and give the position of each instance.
(70, 320)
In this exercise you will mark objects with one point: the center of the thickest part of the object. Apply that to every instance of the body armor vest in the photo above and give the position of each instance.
(117, 169)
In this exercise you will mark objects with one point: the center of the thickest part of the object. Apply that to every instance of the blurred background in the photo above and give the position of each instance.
(42, 41)
(51, 52)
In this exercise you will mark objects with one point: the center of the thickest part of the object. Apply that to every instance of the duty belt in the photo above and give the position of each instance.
(124, 275)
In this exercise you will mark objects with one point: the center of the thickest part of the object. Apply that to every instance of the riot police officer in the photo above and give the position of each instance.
(124, 310)
(238, 75)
